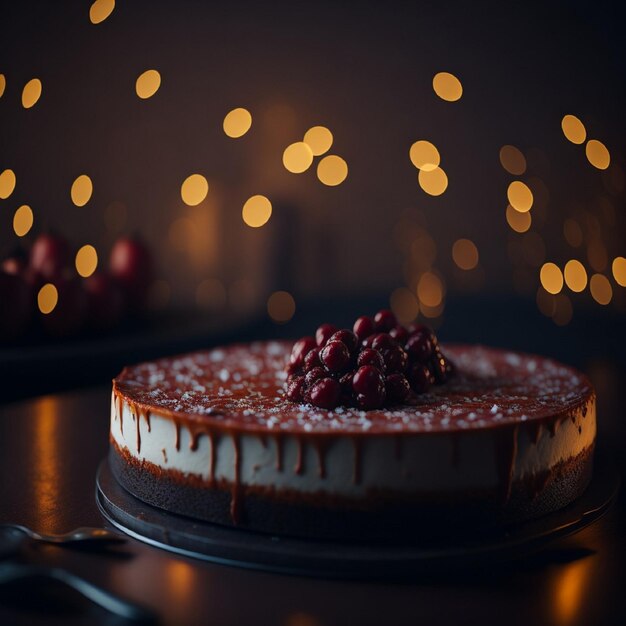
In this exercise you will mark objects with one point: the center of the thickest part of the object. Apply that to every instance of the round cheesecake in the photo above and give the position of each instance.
(213, 436)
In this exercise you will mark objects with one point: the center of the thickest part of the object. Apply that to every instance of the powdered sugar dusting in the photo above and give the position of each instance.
(242, 386)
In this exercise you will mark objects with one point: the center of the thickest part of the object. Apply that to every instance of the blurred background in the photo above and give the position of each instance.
(175, 175)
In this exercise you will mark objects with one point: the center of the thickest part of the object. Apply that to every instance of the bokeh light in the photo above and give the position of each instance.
(597, 154)
(332, 170)
(86, 260)
(237, 122)
(430, 290)
(563, 311)
(520, 196)
(433, 182)
(81, 191)
(31, 93)
(47, 298)
(573, 129)
(3, 84)
(148, 84)
(601, 289)
(194, 189)
(281, 306)
(573, 233)
(551, 278)
(319, 139)
(100, 10)
(424, 155)
(512, 160)
(519, 222)
(211, 294)
(404, 305)
(619, 270)
(447, 86)
(256, 211)
(465, 254)
(7, 183)
(546, 302)
(23, 220)
(297, 157)
(575, 275)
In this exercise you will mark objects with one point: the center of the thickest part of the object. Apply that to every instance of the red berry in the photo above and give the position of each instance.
(325, 393)
(383, 341)
(324, 333)
(300, 349)
(315, 374)
(439, 367)
(372, 400)
(312, 359)
(396, 359)
(367, 380)
(346, 337)
(420, 378)
(364, 327)
(105, 301)
(335, 356)
(295, 388)
(385, 320)
(50, 255)
(400, 334)
(417, 328)
(130, 264)
(371, 357)
(397, 388)
(419, 346)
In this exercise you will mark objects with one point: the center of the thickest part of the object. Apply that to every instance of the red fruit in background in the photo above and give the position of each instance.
(16, 262)
(50, 255)
(130, 264)
(105, 301)
(299, 351)
(15, 306)
(68, 316)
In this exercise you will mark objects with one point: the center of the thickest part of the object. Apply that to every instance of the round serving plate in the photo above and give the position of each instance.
(292, 555)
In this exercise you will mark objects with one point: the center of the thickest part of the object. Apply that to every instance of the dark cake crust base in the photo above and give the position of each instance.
(379, 517)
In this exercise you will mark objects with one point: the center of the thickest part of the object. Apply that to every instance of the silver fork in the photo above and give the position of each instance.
(81, 535)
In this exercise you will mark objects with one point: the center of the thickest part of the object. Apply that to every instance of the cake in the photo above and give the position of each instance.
(214, 436)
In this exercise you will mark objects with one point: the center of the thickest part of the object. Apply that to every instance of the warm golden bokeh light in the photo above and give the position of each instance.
(332, 170)
(23, 220)
(211, 294)
(424, 155)
(3, 84)
(546, 302)
(297, 157)
(519, 222)
(47, 298)
(100, 10)
(319, 139)
(597, 154)
(575, 275)
(281, 306)
(404, 304)
(447, 86)
(81, 191)
(520, 196)
(194, 189)
(563, 311)
(433, 182)
(573, 233)
(619, 270)
(31, 93)
(7, 183)
(465, 254)
(148, 84)
(512, 160)
(237, 123)
(573, 129)
(86, 261)
(601, 289)
(551, 278)
(430, 290)
(570, 591)
(256, 211)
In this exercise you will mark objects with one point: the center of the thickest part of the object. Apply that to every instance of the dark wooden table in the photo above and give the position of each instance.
(51, 446)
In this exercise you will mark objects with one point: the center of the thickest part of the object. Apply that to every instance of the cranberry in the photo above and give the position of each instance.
(130, 264)
(367, 342)
(383, 341)
(417, 328)
(371, 357)
(419, 346)
(373, 400)
(397, 387)
(312, 359)
(50, 255)
(367, 380)
(396, 359)
(295, 388)
(325, 393)
(335, 356)
(420, 378)
(300, 349)
(439, 367)
(315, 374)
(385, 320)
(364, 327)
(324, 333)
(347, 337)
(400, 334)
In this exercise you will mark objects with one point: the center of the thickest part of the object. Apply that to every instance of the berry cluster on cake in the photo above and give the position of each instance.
(358, 433)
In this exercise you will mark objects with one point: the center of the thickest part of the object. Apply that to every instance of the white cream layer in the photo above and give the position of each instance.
(425, 462)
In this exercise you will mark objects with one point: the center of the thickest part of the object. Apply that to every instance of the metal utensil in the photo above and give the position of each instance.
(11, 572)
(81, 535)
